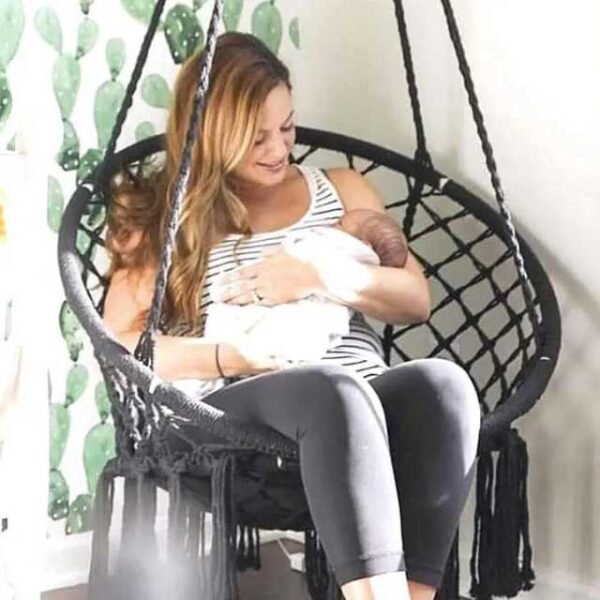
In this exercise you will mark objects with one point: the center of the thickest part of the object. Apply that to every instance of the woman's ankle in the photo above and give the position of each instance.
(386, 586)
(420, 591)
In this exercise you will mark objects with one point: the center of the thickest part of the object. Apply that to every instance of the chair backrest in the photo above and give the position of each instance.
(480, 318)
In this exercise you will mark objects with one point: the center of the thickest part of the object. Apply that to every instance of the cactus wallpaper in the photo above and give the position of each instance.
(89, 48)
(12, 23)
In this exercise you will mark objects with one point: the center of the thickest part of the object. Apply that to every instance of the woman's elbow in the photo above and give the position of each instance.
(423, 306)
(416, 312)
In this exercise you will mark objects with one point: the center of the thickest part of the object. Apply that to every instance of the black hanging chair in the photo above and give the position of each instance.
(495, 314)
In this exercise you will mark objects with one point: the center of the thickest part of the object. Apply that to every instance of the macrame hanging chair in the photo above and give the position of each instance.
(494, 313)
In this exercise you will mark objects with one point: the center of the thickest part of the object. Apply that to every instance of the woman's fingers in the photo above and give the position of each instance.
(231, 291)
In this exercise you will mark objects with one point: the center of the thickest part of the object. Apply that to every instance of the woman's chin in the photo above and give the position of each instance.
(269, 175)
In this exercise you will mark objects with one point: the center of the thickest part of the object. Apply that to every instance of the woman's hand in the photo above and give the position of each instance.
(277, 279)
(242, 357)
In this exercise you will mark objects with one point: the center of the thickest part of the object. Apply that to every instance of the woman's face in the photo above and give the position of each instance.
(267, 161)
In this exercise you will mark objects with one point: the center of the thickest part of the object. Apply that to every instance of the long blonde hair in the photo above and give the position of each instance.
(244, 72)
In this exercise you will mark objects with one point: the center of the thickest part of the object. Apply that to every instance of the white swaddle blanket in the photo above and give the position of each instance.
(295, 332)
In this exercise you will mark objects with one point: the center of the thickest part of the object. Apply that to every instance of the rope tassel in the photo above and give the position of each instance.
(501, 563)
(248, 548)
(223, 547)
(319, 576)
(98, 579)
(450, 584)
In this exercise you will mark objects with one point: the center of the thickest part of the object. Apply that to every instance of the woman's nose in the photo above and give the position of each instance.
(277, 148)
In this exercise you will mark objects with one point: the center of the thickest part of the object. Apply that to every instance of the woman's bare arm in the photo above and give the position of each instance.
(129, 295)
(390, 294)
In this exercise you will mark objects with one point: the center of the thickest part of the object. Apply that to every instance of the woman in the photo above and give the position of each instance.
(386, 454)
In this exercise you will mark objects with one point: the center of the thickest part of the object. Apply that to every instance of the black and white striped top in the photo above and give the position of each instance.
(359, 350)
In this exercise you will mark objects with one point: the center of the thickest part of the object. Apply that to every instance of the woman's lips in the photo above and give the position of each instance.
(274, 166)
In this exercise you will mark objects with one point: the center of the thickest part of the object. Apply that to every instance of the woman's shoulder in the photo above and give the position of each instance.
(136, 284)
(354, 190)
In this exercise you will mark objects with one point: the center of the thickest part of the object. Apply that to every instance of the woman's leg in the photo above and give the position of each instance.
(339, 425)
(432, 415)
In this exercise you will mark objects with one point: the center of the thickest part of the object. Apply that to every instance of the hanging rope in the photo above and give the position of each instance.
(491, 164)
(422, 156)
(145, 348)
(131, 87)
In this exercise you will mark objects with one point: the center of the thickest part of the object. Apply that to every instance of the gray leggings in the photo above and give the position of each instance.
(386, 464)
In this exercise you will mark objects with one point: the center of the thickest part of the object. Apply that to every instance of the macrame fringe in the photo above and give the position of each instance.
(248, 548)
(319, 576)
(138, 563)
(449, 589)
(185, 574)
(501, 560)
(98, 579)
(223, 575)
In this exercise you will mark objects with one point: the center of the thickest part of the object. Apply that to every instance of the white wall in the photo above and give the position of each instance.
(536, 65)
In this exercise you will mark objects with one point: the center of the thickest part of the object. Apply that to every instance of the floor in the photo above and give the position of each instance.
(275, 581)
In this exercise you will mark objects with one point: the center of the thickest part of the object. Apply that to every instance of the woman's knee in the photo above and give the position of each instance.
(438, 389)
(337, 398)
(452, 397)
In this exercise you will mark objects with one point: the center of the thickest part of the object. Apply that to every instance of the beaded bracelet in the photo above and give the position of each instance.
(217, 361)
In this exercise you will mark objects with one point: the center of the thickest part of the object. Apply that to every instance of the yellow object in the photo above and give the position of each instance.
(2, 225)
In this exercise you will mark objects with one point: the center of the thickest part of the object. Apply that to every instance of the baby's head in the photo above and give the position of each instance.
(378, 230)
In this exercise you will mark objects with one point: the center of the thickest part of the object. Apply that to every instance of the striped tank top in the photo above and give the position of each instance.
(360, 350)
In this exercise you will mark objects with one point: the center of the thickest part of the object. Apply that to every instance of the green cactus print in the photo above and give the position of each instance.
(68, 155)
(99, 448)
(12, 21)
(144, 130)
(60, 424)
(232, 12)
(58, 496)
(48, 26)
(77, 380)
(267, 24)
(88, 163)
(139, 9)
(71, 331)
(183, 32)
(80, 517)
(66, 74)
(87, 36)
(295, 32)
(110, 94)
(115, 56)
(66, 77)
(5, 100)
(109, 98)
(155, 91)
(85, 6)
(55, 204)
(102, 401)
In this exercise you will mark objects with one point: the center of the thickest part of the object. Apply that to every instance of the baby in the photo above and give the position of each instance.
(302, 331)
(379, 231)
